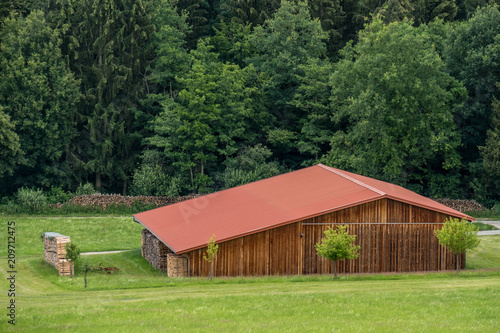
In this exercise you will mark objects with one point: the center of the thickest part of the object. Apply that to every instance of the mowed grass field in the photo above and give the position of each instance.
(141, 299)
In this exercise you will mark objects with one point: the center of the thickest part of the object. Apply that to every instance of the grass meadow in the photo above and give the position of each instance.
(141, 299)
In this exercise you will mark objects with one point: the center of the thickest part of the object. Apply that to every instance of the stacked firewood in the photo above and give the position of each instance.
(154, 251)
(105, 200)
(54, 252)
(177, 265)
(65, 267)
(462, 205)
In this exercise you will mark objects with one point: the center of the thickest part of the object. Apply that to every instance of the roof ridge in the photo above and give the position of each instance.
(338, 173)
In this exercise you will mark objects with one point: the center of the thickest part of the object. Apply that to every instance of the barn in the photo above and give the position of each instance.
(271, 227)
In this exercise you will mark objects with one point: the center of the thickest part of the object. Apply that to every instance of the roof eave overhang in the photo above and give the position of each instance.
(161, 240)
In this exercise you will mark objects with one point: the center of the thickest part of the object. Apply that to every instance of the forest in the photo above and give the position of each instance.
(166, 97)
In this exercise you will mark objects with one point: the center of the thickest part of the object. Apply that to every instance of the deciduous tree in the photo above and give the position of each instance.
(337, 245)
(458, 236)
(394, 102)
(490, 153)
(213, 116)
(40, 95)
(287, 41)
(472, 55)
(10, 149)
(313, 99)
(210, 254)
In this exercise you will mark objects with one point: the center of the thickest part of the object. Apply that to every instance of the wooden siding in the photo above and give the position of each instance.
(394, 237)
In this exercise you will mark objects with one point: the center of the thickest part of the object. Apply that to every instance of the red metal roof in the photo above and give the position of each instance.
(269, 203)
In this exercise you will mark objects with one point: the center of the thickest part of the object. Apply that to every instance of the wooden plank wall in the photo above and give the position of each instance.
(291, 249)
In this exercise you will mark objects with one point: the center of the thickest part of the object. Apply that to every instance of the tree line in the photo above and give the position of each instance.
(164, 97)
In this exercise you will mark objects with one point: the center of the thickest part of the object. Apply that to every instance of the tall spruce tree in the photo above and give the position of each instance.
(109, 47)
(253, 12)
(332, 18)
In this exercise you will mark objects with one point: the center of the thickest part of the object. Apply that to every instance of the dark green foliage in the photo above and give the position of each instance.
(490, 153)
(313, 99)
(251, 164)
(395, 104)
(287, 41)
(87, 87)
(152, 178)
(14, 8)
(108, 43)
(172, 58)
(332, 17)
(58, 195)
(10, 152)
(85, 189)
(201, 15)
(232, 41)
(424, 11)
(253, 12)
(40, 94)
(212, 115)
(472, 56)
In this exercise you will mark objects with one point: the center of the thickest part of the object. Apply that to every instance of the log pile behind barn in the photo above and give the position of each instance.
(162, 258)
(105, 200)
(154, 251)
(54, 252)
(177, 265)
(462, 205)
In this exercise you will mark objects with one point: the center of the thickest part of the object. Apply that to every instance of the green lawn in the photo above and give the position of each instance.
(483, 227)
(141, 299)
(97, 233)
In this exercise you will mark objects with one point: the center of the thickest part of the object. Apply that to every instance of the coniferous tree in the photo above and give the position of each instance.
(201, 16)
(253, 12)
(424, 11)
(332, 17)
(108, 43)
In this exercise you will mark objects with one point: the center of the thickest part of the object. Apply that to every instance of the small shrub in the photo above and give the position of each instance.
(87, 189)
(153, 180)
(58, 195)
(30, 199)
